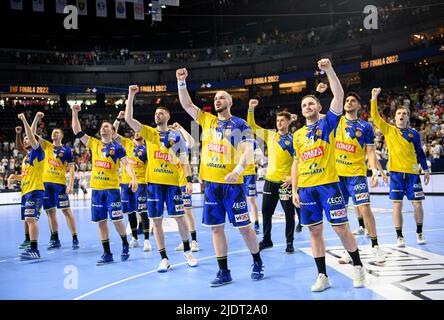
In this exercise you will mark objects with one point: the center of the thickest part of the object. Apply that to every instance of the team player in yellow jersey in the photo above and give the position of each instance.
(314, 174)
(227, 146)
(167, 159)
(133, 203)
(405, 153)
(32, 189)
(106, 157)
(58, 158)
(278, 178)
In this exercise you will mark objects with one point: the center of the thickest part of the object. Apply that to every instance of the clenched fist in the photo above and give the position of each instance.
(76, 108)
(253, 103)
(18, 129)
(133, 89)
(181, 74)
(324, 64)
(321, 87)
(21, 116)
(375, 93)
(40, 115)
(121, 115)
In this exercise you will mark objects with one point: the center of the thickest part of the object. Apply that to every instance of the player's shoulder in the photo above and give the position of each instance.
(239, 122)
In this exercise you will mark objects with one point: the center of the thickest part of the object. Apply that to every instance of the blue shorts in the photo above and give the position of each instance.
(133, 201)
(55, 196)
(187, 203)
(327, 198)
(405, 184)
(32, 204)
(106, 203)
(158, 194)
(250, 185)
(355, 187)
(221, 198)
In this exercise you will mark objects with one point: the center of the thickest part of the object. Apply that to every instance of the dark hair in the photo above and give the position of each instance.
(163, 108)
(311, 96)
(108, 121)
(353, 94)
(403, 107)
(285, 114)
(60, 130)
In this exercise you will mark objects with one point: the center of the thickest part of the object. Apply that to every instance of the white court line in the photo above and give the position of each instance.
(206, 258)
(4, 260)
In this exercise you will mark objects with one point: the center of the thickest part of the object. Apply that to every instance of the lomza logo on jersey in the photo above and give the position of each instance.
(345, 147)
(313, 153)
(53, 162)
(162, 155)
(133, 162)
(218, 148)
(102, 164)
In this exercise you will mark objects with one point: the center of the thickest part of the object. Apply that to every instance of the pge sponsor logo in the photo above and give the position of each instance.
(362, 196)
(335, 200)
(241, 217)
(240, 205)
(338, 214)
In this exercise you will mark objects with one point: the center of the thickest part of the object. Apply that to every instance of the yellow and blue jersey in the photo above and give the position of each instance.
(280, 150)
(32, 168)
(137, 157)
(352, 139)
(315, 149)
(404, 145)
(251, 168)
(162, 149)
(105, 164)
(57, 159)
(221, 146)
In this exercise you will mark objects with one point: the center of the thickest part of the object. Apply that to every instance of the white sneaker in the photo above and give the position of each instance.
(134, 243)
(164, 266)
(366, 233)
(322, 283)
(192, 262)
(420, 239)
(359, 280)
(379, 254)
(359, 231)
(345, 259)
(195, 246)
(179, 247)
(147, 245)
(400, 242)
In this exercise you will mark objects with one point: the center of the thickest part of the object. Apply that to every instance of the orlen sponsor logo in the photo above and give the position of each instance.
(218, 148)
(161, 155)
(362, 196)
(338, 214)
(345, 147)
(313, 153)
(335, 200)
(241, 217)
(102, 164)
(53, 163)
(133, 162)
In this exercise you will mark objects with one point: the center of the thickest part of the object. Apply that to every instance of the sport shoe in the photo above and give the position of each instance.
(379, 254)
(298, 228)
(105, 259)
(290, 248)
(25, 245)
(257, 229)
(258, 271)
(222, 277)
(54, 244)
(345, 259)
(147, 245)
(265, 245)
(75, 244)
(359, 280)
(420, 239)
(30, 254)
(125, 253)
(359, 231)
(179, 247)
(164, 266)
(134, 243)
(322, 283)
(192, 261)
(195, 246)
(400, 242)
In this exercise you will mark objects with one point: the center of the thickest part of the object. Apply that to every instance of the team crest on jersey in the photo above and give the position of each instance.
(358, 133)
(410, 135)
(139, 153)
(287, 142)
(319, 132)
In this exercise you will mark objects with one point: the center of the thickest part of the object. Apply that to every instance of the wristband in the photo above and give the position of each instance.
(190, 179)
(80, 134)
(181, 84)
(239, 169)
(120, 120)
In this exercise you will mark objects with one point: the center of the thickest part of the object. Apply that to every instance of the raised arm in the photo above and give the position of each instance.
(76, 128)
(383, 126)
(32, 139)
(337, 104)
(189, 140)
(38, 117)
(116, 124)
(18, 141)
(184, 96)
(129, 118)
(257, 130)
